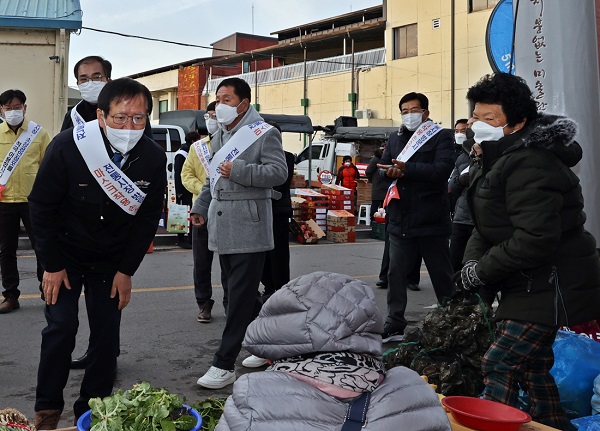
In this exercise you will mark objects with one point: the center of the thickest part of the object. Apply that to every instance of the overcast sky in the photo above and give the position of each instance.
(198, 22)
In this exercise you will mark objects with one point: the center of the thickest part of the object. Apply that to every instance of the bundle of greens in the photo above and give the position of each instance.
(141, 408)
(211, 410)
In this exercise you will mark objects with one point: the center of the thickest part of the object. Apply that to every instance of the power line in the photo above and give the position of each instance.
(191, 45)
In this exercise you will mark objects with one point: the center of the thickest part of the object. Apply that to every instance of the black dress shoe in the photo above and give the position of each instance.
(413, 287)
(381, 284)
(80, 363)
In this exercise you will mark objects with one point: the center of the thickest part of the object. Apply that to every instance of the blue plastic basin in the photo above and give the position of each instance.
(85, 420)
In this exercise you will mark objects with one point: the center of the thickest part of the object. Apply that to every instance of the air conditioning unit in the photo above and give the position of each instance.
(363, 114)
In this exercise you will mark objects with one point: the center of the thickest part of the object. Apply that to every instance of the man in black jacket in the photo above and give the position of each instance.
(92, 73)
(93, 220)
(419, 218)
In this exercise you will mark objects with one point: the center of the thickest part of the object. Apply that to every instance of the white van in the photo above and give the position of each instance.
(170, 139)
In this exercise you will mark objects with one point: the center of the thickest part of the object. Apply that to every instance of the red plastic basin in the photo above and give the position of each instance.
(485, 415)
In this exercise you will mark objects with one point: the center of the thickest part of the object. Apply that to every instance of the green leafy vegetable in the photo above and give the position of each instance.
(211, 410)
(141, 408)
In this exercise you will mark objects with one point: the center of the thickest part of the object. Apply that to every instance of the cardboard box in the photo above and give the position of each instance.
(341, 236)
(341, 218)
(296, 229)
(298, 181)
(333, 189)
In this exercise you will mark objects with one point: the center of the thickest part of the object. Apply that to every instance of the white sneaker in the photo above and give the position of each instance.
(216, 378)
(253, 361)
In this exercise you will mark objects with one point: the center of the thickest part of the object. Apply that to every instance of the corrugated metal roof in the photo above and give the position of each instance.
(41, 14)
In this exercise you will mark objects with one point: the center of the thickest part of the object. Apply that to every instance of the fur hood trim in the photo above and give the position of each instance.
(551, 132)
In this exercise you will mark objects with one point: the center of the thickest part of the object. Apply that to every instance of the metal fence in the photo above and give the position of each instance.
(325, 66)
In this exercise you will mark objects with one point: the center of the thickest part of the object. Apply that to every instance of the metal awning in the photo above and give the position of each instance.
(43, 14)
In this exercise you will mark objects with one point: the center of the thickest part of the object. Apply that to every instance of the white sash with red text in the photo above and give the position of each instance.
(117, 186)
(16, 152)
(424, 133)
(239, 142)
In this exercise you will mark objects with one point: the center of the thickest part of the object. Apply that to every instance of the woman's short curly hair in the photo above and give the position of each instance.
(509, 91)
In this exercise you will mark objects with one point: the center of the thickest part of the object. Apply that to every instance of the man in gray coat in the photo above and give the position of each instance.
(247, 162)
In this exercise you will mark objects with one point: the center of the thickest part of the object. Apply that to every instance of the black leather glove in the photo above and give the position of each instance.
(469, 278)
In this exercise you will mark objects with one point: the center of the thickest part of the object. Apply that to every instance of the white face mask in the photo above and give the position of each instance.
(459, 138)
(412, 121)
(212, 125)
(14, 117)
(226, 114)
(123, 140)
(485, 132)
(91, 90)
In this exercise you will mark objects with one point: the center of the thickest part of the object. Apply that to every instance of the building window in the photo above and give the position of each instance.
(477, 5)
(163, 106)
(405, 41)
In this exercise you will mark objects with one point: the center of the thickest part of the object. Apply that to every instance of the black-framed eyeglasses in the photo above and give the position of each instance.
(412, 111)
(96, 77)
(120, 119)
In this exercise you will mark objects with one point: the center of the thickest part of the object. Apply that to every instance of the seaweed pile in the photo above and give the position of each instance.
(449, 347)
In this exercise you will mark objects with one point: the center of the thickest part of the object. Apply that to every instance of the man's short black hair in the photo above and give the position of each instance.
(9, 95)
(192, 137)
(509, 91)
(423, 100)
(123, 89)
(240, 87)
(346, 158)
(461, 121)
(106, 65)
(211, 106)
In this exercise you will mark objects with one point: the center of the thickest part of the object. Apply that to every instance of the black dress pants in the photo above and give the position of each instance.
(276, 271)
(414, 267)
(243, 272)
(10, 216)
(58, 342)
(203, 259)
(436, 254)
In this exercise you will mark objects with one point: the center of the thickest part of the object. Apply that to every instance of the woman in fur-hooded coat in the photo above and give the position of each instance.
(321, 332)
(528, 210)
(529, 240)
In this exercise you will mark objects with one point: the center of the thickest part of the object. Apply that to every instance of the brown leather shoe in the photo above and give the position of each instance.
(204, 316)
(47, 419)
(8, 305)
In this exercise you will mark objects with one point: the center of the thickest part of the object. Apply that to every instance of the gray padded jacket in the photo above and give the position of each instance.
(324, 312)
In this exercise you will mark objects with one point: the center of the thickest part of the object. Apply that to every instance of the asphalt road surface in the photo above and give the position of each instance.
(161, 341)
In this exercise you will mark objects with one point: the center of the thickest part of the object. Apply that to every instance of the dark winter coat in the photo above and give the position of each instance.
(379, 182)
(529, 239)
(423, 209)
(184, 196)
(282, 207)
(75, 223)
(462, 213)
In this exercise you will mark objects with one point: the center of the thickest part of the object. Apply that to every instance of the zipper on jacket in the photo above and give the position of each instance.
(557, 295)
(529, 281)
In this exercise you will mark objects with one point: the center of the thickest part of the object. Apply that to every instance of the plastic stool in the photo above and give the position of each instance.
(366, 217)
